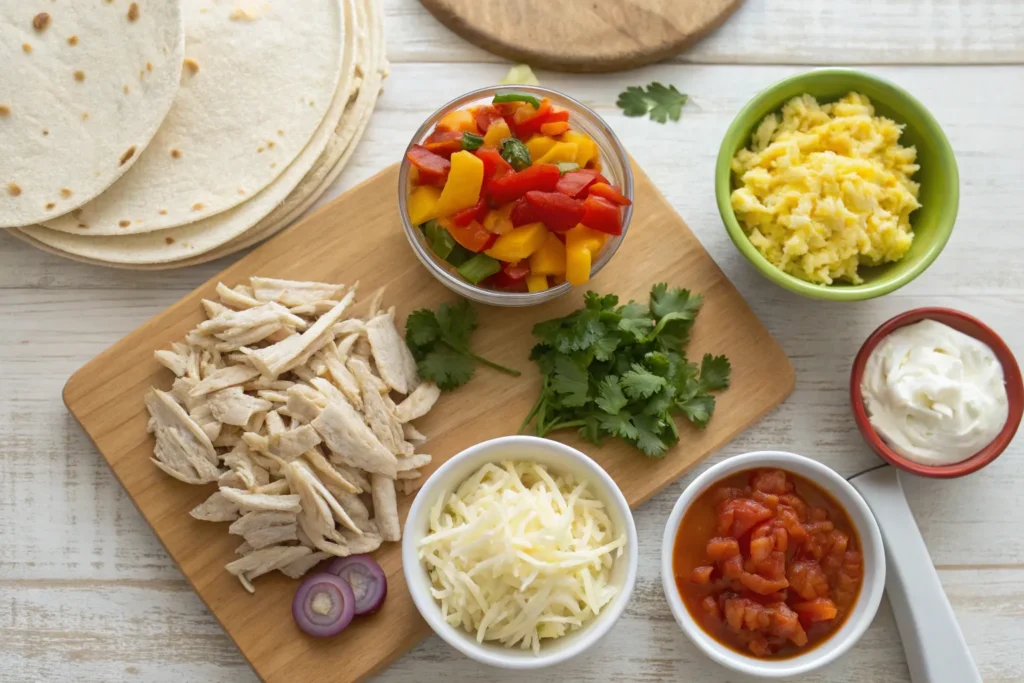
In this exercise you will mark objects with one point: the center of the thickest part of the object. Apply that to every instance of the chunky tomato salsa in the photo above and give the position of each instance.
(768, 563)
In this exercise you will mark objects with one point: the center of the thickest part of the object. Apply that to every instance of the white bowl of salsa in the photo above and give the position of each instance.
(772, 564)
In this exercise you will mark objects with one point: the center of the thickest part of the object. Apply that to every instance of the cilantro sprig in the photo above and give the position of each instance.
(661, 102)
(440, 344)
(622, 371)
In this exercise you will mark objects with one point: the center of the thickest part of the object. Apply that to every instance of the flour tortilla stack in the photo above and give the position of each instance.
(277, 205)
(85, 87)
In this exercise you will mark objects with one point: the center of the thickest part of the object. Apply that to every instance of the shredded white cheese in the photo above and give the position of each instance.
(517, 554)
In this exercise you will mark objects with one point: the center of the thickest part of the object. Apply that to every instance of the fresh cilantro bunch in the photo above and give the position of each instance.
(622, 371)
(661, 102)
(440, 344)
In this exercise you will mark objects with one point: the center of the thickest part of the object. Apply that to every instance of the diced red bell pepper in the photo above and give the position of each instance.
(600, 214)
(523, 213)
(609, 192)
(511, 276)
(529, 120)
(433, 168)
(485, 115)
(474, 213)
(508, 188)
(574, 183)
(558, 114)
(558, 212)
(444, 142)
(472, 236)
(494, 165)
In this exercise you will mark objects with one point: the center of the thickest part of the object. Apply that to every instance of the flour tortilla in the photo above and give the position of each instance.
(59, 133)
(177, 244)
(258, 80)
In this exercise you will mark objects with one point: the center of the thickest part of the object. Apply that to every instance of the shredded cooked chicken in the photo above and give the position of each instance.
(298, 401)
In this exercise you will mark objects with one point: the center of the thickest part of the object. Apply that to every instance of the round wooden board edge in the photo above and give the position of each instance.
(553, 62)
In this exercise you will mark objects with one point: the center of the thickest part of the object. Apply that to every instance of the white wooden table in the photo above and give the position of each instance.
(86, 591)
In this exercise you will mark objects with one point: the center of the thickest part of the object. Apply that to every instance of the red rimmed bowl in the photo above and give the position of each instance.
(972, 327)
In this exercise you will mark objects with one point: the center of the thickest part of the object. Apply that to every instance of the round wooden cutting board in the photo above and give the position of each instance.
(583, 35)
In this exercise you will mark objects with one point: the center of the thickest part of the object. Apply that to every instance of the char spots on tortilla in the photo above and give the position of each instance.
(124, 224)
(41, 22)
(5, 110)
(65, 192)
(128, 154)
(133, 11)
(49, 206)
(79, 76)
(26, 48)
(13, 189)
(192, 66)
(72, 40)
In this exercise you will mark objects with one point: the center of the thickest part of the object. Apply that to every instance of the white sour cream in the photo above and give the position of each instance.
(936, 395)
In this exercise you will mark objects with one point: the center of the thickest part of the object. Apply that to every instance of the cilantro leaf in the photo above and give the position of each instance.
(714, 372)
(596, 302)
(605, 347)
(421, 329)
(610, 398)
(641, 383)
(661, 102)
(440, 344)
(698, 409)
(456, 322)
(619, 425)
(648, 438)
(447, 367)
(635, 320)
(571, 382)
(665, 301)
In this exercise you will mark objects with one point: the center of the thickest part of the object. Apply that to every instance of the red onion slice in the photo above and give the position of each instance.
(324, 605)
(368, 581)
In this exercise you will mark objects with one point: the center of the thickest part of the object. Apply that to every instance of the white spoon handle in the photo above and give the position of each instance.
(935, 648)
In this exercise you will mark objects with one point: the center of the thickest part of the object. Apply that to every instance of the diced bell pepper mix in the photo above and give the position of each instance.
(512, 196)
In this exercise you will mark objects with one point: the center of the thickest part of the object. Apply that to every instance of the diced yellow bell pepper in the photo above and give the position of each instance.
(586, 149)
(465, 180)
(588, 238)
(497, 132)
(581, 246)
(539, 145)
(459, 120)
(550, 258)
(519, 244)
(423, 204)
(559, 153)
(499, 221)
(536, 283)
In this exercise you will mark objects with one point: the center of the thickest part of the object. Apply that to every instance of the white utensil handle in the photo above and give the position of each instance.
(935, 648)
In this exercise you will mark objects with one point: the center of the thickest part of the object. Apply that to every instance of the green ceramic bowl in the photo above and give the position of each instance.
(939, 178)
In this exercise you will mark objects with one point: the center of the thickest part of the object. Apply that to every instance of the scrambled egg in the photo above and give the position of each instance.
(827, 189)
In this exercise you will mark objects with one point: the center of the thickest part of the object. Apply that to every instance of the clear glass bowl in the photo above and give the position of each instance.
(615, 167)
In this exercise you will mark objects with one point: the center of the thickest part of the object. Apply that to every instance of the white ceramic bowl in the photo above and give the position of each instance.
(556, 456)
(871, 547)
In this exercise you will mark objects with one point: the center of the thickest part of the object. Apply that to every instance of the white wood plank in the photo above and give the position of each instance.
(789, 32)
(160, 631)
(982, 117)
